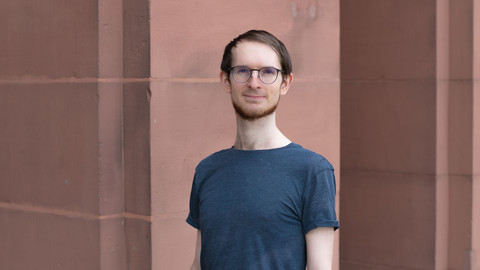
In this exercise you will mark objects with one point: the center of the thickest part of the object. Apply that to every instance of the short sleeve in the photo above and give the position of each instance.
(193, 215)
(319, 201)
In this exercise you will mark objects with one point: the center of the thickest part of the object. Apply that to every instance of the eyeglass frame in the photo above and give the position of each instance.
(258, 73)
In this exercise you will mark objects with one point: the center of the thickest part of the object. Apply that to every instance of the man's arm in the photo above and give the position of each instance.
(196, 260)
(320, 248)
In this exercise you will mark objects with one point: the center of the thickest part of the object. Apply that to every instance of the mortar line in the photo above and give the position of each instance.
(70, 213)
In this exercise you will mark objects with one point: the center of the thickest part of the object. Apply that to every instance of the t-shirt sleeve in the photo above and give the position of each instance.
(319, 201)
(193, 215)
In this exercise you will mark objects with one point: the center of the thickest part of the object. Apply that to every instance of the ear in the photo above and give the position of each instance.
(287, 81)
(225, 80)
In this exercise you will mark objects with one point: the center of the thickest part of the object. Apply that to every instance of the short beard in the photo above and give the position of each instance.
(253, 115)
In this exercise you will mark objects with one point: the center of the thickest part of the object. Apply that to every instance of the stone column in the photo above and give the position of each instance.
(464, 136)
(409, 135)
(61, 157)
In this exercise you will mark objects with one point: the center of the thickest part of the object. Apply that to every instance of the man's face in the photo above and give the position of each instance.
(255, 99)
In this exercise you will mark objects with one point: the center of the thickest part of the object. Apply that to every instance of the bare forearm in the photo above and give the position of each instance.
(195, 266)
(196, 260)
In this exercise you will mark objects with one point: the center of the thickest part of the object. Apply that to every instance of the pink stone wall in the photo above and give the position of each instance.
(107, 106)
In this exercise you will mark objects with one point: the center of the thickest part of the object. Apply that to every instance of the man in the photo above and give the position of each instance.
(265, 203)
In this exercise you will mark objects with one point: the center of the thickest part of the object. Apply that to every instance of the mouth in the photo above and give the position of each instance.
(253, 96)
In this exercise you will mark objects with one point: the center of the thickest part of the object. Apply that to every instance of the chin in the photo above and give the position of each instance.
(251, 115)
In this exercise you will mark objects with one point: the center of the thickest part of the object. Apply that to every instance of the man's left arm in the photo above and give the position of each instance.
(320, 248)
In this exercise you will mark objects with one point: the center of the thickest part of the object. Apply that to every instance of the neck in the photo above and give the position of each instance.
(259, 134)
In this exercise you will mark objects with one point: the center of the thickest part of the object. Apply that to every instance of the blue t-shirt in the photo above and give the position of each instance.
(253, 208)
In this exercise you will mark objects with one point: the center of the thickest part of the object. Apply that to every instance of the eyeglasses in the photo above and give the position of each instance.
(267, 75)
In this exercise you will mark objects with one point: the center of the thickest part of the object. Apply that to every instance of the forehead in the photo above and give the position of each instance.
(254, 54)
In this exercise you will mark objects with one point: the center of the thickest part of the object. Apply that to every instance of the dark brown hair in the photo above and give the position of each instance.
(262, 37)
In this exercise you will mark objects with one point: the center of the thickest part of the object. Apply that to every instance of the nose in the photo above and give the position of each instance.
(254, 81)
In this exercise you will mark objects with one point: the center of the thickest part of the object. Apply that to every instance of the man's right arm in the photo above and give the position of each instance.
(196, 260)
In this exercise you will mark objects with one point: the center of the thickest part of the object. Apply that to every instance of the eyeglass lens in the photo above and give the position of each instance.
(266, 74)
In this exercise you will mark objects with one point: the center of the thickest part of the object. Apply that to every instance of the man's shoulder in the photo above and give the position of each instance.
(214, 159)
(310, 158)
